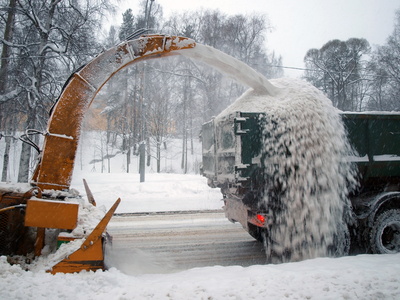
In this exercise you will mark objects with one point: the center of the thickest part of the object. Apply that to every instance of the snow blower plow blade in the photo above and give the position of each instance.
(90, 255)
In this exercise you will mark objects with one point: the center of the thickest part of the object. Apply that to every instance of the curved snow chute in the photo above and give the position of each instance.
(54, 170)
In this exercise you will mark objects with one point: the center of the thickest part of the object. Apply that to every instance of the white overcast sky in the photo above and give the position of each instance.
(300, 25)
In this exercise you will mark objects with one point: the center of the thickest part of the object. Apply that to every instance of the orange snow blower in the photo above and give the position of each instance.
(31, 213)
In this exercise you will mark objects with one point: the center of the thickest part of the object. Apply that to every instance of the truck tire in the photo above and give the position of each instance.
(341, 243)
(385, 233)
(256, 232)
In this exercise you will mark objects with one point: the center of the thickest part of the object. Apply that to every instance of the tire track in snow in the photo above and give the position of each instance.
(164, 243)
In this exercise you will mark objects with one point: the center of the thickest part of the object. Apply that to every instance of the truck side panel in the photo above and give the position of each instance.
(376, 139)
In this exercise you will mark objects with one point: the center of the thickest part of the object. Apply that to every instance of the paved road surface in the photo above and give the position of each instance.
(163, 243)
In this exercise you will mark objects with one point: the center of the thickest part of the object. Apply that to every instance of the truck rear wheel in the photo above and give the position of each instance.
(385, 233)
(256, 232)
(341, 243)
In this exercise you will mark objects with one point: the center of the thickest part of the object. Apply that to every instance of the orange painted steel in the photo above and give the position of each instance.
(54, 170)
(39, 241)
(89, 256)
(100, 228)
(51, 214)
(90, 260)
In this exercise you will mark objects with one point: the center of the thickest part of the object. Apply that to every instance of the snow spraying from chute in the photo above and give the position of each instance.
(307, 176)
(231, 67)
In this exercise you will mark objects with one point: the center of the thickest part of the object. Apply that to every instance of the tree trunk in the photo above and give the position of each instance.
(183, 150)
(191, 136)
(142, 168)
(184, 141)
(23, 174)
(6, 158)
(4, 70)
(148, 151)
(5, 54)
(186, 156)
(158, 157)
(128, 159)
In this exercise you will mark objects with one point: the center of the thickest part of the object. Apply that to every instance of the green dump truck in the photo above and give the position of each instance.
(231, 161)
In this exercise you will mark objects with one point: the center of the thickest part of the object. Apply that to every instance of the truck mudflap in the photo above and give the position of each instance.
(236, 211)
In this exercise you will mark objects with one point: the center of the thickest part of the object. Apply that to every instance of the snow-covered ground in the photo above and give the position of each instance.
(359, 277)
(159, 192)
(362, 277)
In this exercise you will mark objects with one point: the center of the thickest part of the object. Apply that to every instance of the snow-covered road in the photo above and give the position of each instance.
(165, 243)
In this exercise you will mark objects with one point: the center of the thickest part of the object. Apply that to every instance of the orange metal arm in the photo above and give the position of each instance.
(54, 170)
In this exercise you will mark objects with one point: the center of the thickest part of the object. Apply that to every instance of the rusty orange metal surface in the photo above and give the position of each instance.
(54, 170)
(100, 228)
(90, 255)
(51, 214)
(91, 259)
(39, 241)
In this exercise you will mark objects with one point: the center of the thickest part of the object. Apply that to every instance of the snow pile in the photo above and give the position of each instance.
(362, 277)
(159, 192)
(307, 178)
(47, 260)
(15, 187)
(88, 217)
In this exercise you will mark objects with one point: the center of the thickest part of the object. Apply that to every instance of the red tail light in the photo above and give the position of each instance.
(260, 218)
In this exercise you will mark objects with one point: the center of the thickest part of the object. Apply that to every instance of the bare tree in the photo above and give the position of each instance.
(336, 69)
(386, 68)
(242, 36)
(6, 108)
(159, 108)
(51, 38)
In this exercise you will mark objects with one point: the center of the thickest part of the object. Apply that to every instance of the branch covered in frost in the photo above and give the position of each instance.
(9, 96)
(53, 47)
(14, 45)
